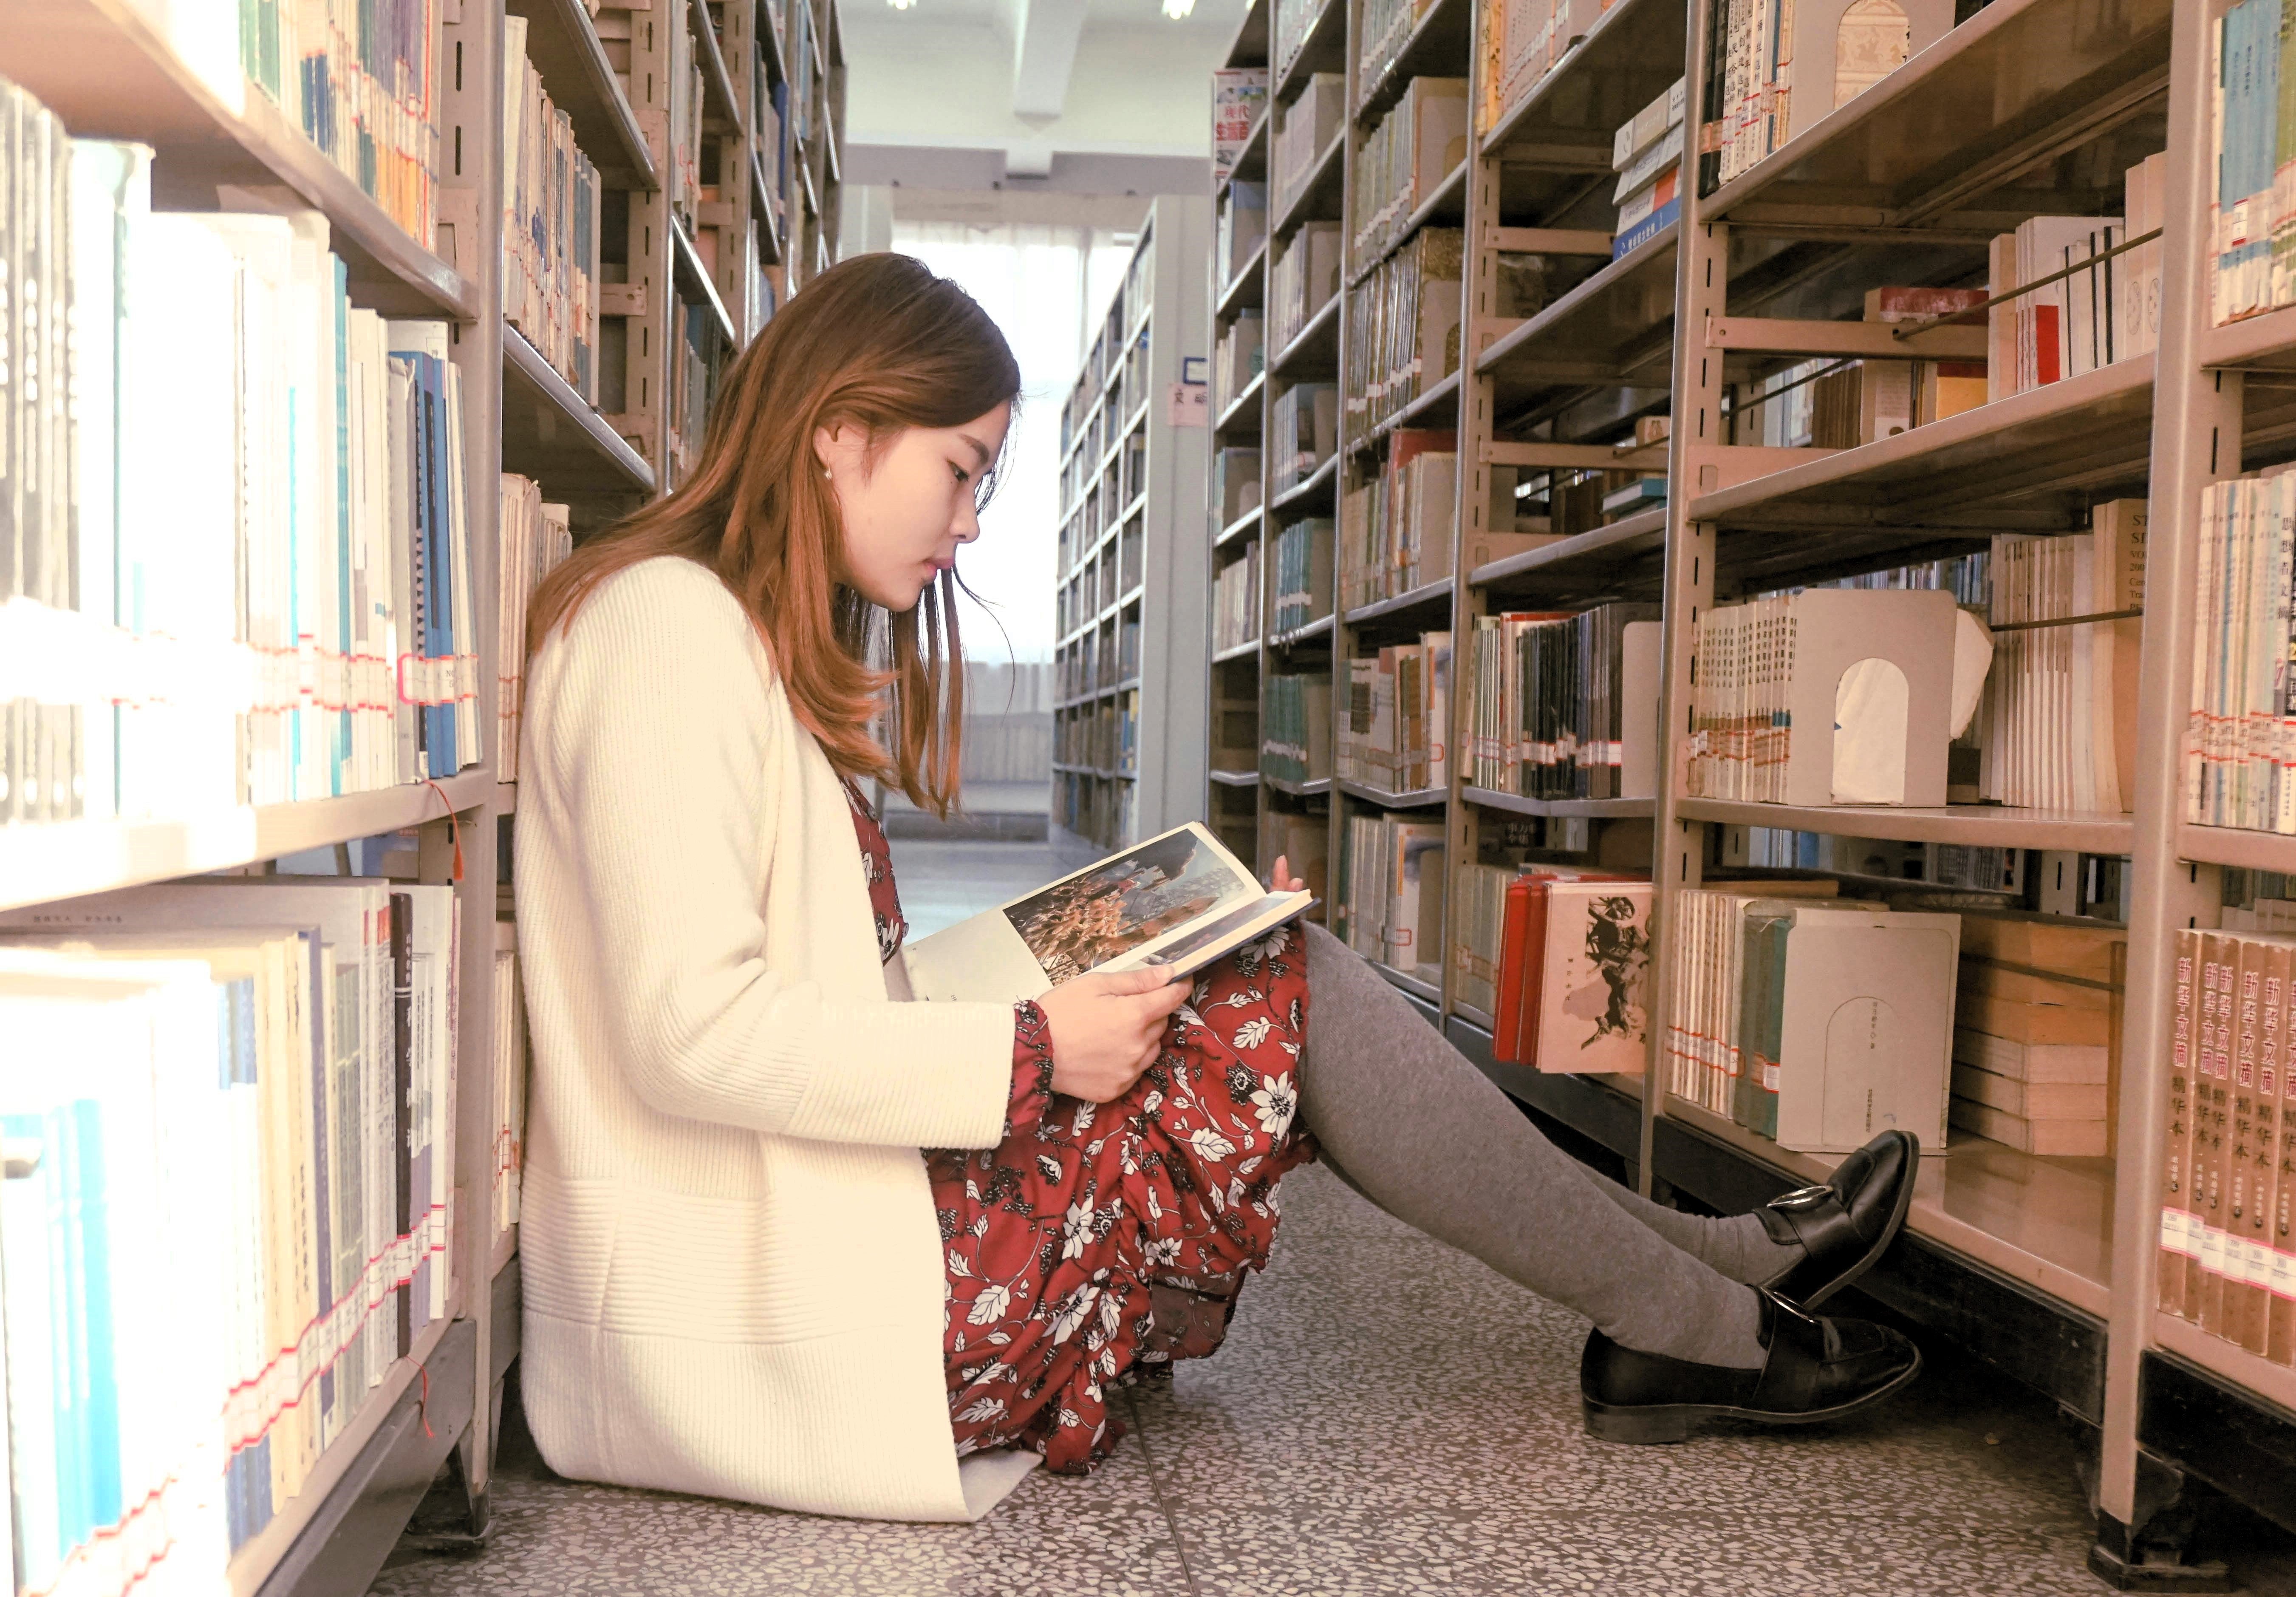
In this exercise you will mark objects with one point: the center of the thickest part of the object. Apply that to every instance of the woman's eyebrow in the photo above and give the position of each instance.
(979, 449)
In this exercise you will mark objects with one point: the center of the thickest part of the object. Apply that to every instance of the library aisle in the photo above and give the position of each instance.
(1388, 1416)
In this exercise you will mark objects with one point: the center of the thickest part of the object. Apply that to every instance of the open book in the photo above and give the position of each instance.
(1178, 900)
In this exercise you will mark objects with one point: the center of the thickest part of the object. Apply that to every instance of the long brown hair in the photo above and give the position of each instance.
(878, 342)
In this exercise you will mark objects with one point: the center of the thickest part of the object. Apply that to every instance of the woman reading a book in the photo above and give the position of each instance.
(790, 1239)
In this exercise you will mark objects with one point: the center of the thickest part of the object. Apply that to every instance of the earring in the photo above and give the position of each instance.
(827, 474)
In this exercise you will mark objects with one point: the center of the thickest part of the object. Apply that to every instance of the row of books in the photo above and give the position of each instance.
(1566, 706)
(1844, 661)
(1383, 28)
(1304, 129)
(1300, 590)
(1394, 737)
(1239, 228)
(2239, 751)
(1767, 981)
(1517, 42)
(1235, 600)
(361, 81)
(226, 1222)
(2057, 726)
(1395, 529)
(1776, 68)
(2252, 136)
(1420, 141)
(1557, 957)
(1239, 356)
(551, 196)
(1102, 811)
(2228, 1258)
(1302, 841)
(1302, 280)
(1388, 903)
(683, 178)
(533, 537)
(2101, 309)
(1293, 22)
(1295, 726)
(1236, 471)
(1303, 432)
(697, 364)
(241, 571)
(2035, 1041)
(1403, 327)
(1105, 736)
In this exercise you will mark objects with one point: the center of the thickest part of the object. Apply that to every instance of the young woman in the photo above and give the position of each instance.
(793, 1239)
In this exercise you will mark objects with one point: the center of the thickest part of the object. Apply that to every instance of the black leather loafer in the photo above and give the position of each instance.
(1847, 1223)
(1818, 1369)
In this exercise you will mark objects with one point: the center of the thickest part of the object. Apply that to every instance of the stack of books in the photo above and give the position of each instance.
(1393, 737)
(1301, 591)
(2058, 722)
(2228, 1262)
(1566, 706)
(1295, 726)
(1517, 42)
(1294, 21)
(1403, 327)
(1237, 472)
(1410, 152)
(533, 537)
(228, 1219)
(1383, 29)
(2252, 133)
(1235, 600)
(2102, 310)
(2034, 1040)
(1389, 903)
(551, 196)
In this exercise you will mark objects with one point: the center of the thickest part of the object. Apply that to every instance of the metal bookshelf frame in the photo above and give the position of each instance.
(2044, 1267)
(100, 66)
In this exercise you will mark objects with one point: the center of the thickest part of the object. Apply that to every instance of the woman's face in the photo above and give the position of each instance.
(907, 510)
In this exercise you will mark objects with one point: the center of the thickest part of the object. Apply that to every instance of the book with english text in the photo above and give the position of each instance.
(1179, 900)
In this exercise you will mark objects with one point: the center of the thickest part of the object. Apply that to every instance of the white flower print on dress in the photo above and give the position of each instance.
(1076, 1229)
(1276, 1103)
(987, 1408)
(990, 1305)
(1253, 1032)
(1209, 1144)
(1071, 1311)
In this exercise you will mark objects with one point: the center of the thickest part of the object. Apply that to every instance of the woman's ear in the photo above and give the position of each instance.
(826, 441)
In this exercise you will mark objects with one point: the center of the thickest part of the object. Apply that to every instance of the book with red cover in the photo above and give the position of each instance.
(1522, 956)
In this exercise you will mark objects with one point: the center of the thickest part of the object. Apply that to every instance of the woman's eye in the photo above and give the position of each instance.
(962, 474)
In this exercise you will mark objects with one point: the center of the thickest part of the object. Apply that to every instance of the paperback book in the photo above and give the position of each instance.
(1179, 901)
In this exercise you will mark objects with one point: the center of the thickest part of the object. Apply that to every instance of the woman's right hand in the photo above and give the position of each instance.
(1107, 1028)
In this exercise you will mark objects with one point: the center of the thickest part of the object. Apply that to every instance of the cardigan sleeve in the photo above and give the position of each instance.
(666, 752)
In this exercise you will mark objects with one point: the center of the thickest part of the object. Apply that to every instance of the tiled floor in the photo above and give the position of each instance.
(1388, 1415)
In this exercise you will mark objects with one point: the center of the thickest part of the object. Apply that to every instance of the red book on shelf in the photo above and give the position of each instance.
(1522, 956)
(1514, 927)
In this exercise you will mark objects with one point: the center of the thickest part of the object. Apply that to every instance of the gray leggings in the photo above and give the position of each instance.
(1404, 1119)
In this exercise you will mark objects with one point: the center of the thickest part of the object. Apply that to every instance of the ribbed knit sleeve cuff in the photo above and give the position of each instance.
(1032, 1069)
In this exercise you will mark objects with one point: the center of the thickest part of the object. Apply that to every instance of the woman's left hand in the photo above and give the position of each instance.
(1282, 880)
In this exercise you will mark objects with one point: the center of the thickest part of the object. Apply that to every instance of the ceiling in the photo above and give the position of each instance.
(1079, 95)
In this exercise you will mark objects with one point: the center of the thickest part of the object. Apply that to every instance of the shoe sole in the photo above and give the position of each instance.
(1905, 1206)
(1657, 1424)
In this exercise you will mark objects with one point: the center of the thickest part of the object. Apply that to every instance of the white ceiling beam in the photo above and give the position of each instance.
(1045, 35)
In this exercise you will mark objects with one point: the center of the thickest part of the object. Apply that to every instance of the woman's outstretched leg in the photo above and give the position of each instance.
(1418, 1130)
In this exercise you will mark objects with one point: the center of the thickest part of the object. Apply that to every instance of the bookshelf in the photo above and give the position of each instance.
(1131, 627)
(2024, 108)
(701, 242)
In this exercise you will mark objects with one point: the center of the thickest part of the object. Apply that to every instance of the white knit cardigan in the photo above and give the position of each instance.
(734, 1276)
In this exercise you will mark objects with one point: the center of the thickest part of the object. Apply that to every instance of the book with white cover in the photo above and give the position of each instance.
(1179, 900)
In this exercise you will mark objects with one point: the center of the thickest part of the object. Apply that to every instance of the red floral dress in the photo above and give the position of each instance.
(1096, 1238)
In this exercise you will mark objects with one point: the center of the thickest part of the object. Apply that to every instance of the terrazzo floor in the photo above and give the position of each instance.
(1388, 1416)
